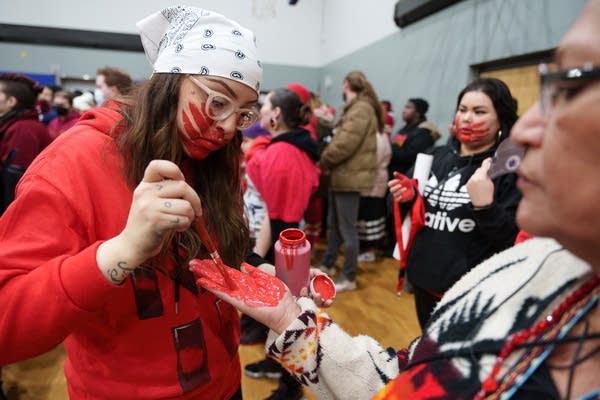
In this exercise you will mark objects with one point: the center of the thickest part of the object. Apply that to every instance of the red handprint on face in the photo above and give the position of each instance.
(469, 133)
(203, 138)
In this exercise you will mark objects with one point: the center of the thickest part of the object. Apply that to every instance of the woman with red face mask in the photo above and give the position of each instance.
(468, 216)
(94, 250)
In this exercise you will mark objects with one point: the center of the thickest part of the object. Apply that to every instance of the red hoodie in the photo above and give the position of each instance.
(122, 342)
(285, 176)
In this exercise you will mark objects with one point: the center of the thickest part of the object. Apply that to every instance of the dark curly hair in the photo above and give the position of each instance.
(293, 112)
(22, 88)
(503, 101)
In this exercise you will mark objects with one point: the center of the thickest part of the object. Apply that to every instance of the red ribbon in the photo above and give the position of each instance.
(417, 221)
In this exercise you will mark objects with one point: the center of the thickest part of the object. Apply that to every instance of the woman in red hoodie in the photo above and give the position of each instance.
(94, 250)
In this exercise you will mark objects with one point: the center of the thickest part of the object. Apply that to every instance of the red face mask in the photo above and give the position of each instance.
(200, 142)
(470, 133)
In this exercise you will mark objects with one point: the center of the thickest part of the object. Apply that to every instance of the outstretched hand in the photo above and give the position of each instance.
(256, 293)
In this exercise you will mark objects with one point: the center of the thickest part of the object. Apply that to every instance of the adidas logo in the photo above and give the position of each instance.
(442, 222)
(449, 196)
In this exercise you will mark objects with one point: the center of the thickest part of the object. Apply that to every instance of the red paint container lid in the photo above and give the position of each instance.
(292, 237)
(323, 285)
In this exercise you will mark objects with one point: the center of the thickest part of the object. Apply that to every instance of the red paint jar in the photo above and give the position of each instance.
(292, 259)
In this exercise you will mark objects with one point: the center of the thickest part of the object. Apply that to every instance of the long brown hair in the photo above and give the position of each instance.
(362, 87)
(150, 133)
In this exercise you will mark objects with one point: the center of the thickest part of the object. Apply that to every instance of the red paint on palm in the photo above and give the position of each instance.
(254, 287)
(406, 182)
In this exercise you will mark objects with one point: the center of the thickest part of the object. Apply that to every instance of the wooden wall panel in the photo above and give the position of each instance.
(523, 81)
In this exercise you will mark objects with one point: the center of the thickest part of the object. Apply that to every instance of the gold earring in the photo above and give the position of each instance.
(274, 124)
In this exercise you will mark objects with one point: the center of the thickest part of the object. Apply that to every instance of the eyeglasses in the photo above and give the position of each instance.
(563, 84)
(220, 107)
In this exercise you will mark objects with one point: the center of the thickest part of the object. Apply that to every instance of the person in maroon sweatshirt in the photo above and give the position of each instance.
(94, 251)
(22, 135)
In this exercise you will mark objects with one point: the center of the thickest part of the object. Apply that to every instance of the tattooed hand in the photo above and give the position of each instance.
(162, 203)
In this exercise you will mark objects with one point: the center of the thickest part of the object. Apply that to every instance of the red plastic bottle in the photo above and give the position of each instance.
(292, 259)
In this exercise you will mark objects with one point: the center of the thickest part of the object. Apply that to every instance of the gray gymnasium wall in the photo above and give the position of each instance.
(432, 57)
(276, 76)
(73, 63)
(429, 59)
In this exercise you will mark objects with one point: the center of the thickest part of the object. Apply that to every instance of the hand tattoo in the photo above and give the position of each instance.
(120, 272)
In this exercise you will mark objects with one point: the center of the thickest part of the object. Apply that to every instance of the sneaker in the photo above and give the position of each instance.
(367, 256)
(328, 270)
(343, 285)
(284, 393)
(265, 368)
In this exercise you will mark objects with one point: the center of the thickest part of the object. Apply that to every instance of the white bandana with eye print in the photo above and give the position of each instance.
(191, 40)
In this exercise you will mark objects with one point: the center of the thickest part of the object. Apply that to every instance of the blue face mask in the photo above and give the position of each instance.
(98, 97)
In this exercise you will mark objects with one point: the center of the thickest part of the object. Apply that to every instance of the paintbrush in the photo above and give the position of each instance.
(206, 239)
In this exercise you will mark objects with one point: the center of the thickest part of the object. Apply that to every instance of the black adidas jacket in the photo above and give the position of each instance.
(456, 237)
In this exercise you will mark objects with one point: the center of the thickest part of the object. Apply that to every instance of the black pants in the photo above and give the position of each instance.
(425, 302)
